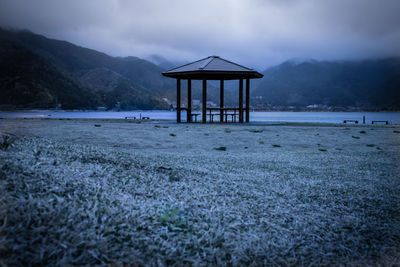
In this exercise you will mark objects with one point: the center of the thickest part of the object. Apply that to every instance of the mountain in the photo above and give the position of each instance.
(364, 84)
(27, 80)
(41, 72)
(38, 72)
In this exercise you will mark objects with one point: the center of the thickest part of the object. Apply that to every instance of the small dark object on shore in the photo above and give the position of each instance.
(165, 168)
(143, 195)
(6, 142)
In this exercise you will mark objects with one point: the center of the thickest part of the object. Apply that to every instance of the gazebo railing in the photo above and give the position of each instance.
(227, 113)
(223, 113)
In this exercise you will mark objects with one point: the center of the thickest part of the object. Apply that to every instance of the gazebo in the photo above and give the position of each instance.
(213, 68)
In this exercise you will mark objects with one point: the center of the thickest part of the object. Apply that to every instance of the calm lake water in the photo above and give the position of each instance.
(330, 117)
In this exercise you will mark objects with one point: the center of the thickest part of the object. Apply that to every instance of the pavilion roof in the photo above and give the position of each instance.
(212, 68)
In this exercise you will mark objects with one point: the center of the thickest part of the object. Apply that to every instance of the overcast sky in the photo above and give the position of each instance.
(256, 33)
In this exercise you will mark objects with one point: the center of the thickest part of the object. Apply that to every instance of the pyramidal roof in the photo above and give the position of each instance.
(212, 67)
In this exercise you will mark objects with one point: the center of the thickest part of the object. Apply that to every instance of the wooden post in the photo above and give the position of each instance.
(221, 100)
(189, 105)
(240, 100)
(204, 104)
(178, 100)
(247, 100)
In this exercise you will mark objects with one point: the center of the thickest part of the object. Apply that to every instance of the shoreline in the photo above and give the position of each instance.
(173, 122)
(255, 117)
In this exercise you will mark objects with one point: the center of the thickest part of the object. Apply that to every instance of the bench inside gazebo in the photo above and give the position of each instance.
(213, 68)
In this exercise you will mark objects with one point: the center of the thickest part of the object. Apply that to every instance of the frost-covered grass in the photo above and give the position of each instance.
(75, 193)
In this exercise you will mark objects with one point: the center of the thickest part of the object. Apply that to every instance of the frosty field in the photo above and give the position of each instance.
(111, 192)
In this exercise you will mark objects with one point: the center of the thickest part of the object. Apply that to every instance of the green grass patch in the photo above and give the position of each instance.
(173, 219)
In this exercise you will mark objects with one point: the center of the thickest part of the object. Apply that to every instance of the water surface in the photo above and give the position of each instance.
(328, 117)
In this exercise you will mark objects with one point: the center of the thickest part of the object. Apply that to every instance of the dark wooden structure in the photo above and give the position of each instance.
(213, 68)
(347, 121)
(385, 122)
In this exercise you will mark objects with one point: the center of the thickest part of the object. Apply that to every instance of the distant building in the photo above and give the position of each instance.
(313, 106)
(196, 103)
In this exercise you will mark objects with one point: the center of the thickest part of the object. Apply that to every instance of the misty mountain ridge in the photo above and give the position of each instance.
(300, 60)
(164, 63)
(37, 72)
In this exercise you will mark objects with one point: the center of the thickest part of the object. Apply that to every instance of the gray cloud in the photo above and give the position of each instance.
(253, 32)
